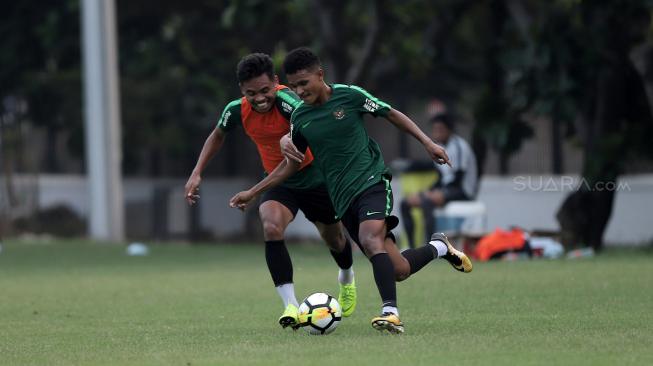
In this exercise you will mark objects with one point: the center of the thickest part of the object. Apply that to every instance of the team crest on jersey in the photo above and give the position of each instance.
(339, 113)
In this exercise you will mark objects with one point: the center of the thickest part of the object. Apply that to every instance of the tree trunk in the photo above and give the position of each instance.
(584, 214)
(583, 218)
(617, 104)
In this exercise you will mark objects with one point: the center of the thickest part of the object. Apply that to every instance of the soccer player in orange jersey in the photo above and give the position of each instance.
(264, 113)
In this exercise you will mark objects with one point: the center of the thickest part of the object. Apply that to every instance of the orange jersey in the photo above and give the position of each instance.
(265, 129)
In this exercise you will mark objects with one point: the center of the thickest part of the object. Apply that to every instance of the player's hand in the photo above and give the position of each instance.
(437, 153)
(289, 149)
(241, 200)
(192, 188)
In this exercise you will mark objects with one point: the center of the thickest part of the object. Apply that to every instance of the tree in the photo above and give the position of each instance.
(575, 68)
(39, 74)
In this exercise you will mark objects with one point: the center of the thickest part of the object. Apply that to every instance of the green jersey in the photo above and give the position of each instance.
(349, 159)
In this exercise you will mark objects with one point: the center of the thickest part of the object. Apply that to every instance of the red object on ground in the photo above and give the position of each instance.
(499, 241)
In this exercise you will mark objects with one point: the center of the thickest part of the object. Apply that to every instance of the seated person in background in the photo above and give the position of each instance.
(457, 182)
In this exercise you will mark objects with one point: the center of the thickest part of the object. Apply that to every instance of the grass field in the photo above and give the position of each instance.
(75, 303)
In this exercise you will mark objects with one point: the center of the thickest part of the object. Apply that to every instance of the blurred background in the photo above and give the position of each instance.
(555, 98)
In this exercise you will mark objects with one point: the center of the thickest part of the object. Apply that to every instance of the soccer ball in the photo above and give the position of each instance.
(320, 313)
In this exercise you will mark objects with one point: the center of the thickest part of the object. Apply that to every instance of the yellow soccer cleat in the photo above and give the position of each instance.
(458, 260)
(347, 298)
(290, 317)
(389, 322)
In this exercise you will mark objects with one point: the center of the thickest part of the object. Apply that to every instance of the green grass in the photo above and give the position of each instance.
(74, 303)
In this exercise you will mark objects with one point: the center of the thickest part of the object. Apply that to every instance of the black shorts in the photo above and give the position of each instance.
(374, 203)
(314, 203)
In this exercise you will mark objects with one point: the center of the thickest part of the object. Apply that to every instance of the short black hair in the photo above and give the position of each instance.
(254, 65)
(301, 58)
(443, 118)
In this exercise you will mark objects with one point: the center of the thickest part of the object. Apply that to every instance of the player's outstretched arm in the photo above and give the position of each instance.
(284, 170)
(210, 148)
(436, 152)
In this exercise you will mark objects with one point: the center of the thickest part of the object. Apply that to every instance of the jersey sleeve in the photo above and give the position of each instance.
(286, 102)
(367, 103)
(230, 116)
(297, 138)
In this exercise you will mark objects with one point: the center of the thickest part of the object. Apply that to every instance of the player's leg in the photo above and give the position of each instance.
(337, 243)
(316, 205)
(412, 260)
(458, 260)
(372, 235)
(365, 220)
(341, 251)
(407, 262)
(275, 217)
(399, 262)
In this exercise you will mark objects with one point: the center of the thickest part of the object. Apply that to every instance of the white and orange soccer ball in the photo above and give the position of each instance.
(320, 313)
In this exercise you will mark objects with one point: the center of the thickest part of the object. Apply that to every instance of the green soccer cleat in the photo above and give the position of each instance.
(347, 298)
(290, 317)
(389, 322)
(458, 260)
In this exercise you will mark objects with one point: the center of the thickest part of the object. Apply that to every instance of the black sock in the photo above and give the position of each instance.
(384, 275)
(344, 258)
(279, 263)
(418, 258)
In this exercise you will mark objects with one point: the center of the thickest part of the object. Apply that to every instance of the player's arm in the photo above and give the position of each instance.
(284, 170)
(367, 103)
(229, 119)
(210, 148)
(401, 121)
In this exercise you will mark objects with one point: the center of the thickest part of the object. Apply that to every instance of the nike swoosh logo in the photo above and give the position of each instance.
(307, 123)
(370, 178)
(373, 212)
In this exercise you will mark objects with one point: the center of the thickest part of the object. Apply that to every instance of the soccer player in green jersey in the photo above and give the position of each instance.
(264, 112)
(330, 123)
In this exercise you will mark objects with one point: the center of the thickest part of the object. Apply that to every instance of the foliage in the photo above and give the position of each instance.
(504, 60)
(40, 66)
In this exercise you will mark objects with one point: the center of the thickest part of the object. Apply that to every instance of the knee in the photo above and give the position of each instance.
(335, 243)
(373, 245)
(401, 275)
(332, 236)
(402, 270)
(273, 230)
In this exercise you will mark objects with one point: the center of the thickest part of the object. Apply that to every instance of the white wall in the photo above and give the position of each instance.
(532, 202)
(527, 201)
